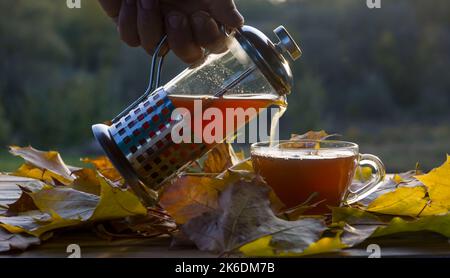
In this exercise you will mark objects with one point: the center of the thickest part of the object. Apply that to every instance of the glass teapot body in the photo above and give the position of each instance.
(163, 131)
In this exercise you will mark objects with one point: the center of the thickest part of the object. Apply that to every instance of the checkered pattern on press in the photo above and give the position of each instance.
(156, 161)
(143, 123)
(144, 137)
(165, 163)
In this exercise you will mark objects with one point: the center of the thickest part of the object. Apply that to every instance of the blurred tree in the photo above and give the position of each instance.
(306, 105)
(63, 69)
(55, 70)
(370, 99)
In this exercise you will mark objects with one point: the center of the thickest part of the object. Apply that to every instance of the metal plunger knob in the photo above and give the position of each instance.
(287, 43)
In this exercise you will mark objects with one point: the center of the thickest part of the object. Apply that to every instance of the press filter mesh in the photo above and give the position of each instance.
(144, 137)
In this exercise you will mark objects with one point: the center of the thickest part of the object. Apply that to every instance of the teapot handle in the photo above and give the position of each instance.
(155, 77)
(154, 81)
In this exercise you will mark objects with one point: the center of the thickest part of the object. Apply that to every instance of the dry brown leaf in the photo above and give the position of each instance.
(191, 195)
(14, 193)
(23, 204)
(10, 241)
(155, 223)
(245, 215)
(311, 135)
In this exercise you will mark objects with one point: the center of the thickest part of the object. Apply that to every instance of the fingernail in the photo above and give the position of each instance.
(130, 2)
(148, 4)
(175, 21)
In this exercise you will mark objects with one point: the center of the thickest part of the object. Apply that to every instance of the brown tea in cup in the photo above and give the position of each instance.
(297, 169)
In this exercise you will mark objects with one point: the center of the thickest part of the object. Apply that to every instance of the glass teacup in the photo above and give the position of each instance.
(296, 169)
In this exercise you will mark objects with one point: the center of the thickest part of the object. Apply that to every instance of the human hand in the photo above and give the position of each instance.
(191, 25)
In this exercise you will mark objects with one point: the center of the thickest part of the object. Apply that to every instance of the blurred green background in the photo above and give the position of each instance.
(379, 77)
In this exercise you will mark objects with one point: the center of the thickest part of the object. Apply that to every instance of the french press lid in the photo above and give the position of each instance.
(269, 56)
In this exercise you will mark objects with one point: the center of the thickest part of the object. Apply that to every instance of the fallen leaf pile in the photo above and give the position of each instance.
(55, 196)
(219, 204)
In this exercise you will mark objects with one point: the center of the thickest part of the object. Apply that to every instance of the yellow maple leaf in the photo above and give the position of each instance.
(407, 201)
(30, 171)
(434, 223)
(398, 179)
(258, 248)
(104, 166)
(363, 173)
(86, 181)
(261, 247)
(116, 203)
(46, 166)
(324, 245)
(437, 182)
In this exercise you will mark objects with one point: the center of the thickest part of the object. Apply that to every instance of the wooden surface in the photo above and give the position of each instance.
(423, 245)
(411, 245)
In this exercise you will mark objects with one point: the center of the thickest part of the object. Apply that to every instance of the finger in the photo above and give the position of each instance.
(128, 23)
(207, 33)
(111, 7)
(226, 13)
(149, 24)
(180, 38)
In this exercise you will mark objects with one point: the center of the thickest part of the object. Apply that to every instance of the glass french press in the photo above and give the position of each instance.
(252, 72)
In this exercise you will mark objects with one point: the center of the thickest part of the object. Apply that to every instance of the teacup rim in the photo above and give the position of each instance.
(349, 145)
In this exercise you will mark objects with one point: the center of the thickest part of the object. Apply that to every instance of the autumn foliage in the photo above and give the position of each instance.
(219, 204)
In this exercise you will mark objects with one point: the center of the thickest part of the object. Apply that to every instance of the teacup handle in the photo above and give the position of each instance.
(379, 172)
